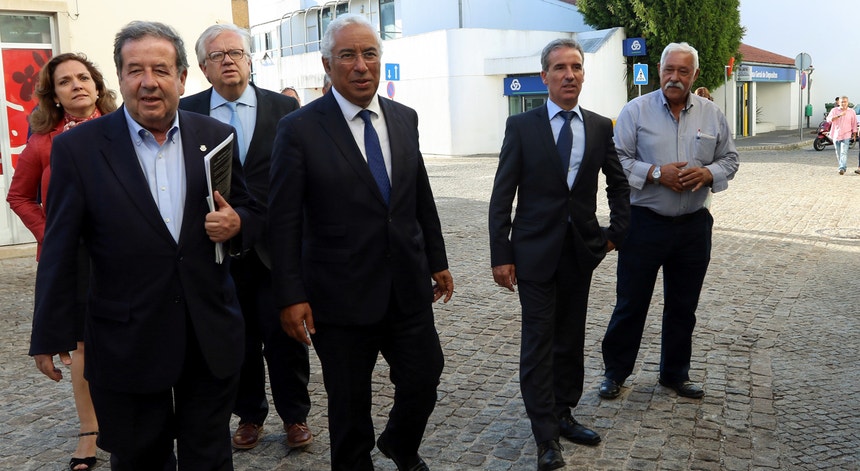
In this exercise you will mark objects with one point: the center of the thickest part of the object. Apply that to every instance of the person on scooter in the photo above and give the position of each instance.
(843, 128)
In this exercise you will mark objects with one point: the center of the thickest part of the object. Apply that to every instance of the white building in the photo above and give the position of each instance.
(33, 31)
(464, 65)
(764, 93)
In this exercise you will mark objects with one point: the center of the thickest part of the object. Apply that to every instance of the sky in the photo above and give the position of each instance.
(824, 29)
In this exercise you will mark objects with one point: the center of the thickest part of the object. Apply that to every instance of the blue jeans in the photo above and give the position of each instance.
(842, 153)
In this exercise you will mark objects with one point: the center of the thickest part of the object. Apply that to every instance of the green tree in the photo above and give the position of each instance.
(713, 27)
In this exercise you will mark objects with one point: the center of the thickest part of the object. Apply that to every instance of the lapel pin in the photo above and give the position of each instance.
(202, 148)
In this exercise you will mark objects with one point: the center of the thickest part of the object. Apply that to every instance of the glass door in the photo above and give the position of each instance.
(25, 46)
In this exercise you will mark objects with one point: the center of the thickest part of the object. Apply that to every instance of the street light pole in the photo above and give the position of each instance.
(809, 88)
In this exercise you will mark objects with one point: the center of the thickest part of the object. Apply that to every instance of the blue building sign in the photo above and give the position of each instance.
(634, 47)
(758, 73)
(531, 85)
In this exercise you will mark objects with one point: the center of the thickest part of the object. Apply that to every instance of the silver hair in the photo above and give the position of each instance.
(342, 21)
(213, 31)
(556, 44)
(680, 47)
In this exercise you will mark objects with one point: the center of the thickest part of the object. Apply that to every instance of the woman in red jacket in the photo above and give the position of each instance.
(71, 90)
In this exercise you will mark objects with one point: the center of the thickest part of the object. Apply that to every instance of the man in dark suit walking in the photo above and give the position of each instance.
(164, 332)
(550, 160)
(356, 245)
(223, 53)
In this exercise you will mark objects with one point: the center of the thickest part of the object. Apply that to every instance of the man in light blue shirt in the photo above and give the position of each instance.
(674, 147)
(223, 56)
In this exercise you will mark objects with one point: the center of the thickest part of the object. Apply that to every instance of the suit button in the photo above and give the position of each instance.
(177, 300)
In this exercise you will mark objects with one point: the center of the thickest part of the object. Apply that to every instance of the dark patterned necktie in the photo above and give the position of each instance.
(374, 156)
(565, 140)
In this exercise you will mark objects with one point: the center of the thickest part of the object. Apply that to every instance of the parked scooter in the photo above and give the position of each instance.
(823, 140)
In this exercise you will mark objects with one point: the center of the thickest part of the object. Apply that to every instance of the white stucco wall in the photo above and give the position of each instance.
(422, 16)
(454, 79)
(90, 26)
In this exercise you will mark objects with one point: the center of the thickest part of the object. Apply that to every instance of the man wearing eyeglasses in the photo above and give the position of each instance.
(356, 247)
(222, 53)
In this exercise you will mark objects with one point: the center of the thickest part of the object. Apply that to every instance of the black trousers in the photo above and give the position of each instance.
(410, 345)
(682, 247)
(287, 359)
(139, 429)
(553, 337)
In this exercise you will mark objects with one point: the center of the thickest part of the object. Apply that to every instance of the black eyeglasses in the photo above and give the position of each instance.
(370, 57)
(234, 54)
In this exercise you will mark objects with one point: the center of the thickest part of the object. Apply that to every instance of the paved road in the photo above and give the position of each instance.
(776, 346)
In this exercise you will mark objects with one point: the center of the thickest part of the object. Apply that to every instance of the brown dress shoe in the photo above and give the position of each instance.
(247, 436)
(298, 435)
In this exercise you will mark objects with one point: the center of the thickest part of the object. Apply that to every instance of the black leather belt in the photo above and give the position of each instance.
(670, 219)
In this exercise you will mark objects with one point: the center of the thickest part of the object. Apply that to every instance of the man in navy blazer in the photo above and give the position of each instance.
(354, 255)
(555, 242)
(164, 331)
(223, 55)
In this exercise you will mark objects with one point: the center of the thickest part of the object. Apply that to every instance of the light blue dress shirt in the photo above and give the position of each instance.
(356, 126)
(164, 168)
(647, 134)
(246, 108)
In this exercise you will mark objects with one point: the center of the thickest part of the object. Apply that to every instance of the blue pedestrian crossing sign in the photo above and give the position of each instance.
(640, 74)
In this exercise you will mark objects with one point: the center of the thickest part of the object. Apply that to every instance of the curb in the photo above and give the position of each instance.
(794, 145)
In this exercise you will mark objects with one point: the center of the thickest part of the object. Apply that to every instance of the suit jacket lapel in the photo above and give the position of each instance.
(334, 124)
(588, 150)
(122, 158)
(194, 148)
(264, 111)
(397, 130)
(547, 141)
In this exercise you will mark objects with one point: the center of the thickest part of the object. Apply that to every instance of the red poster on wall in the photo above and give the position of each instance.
(20, 74)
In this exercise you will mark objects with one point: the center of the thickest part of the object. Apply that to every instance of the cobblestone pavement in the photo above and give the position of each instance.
(776, 346)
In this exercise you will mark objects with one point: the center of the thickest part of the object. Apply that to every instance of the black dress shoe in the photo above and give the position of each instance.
(609, 389)
(549, 456)
(403, 464)
(684, 388)
(574, 431)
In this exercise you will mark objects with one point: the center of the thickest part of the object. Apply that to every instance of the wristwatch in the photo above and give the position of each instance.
(655, 175)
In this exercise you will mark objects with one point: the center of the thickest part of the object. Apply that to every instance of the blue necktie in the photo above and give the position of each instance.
(565, 140)
(237, 123)
(374, 156)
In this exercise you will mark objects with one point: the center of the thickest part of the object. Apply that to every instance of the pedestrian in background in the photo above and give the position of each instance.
(223, 54)
(704, 93)
(550, 161)
(71, 90)
(843, 128)
(164, 332)
(291, 92)
(675, 147)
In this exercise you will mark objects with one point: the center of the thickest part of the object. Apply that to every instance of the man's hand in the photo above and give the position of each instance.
(670, 176)
(297, 320)
(223, 223)
(695, 178)
(505, 276)
(609, 246)
(45, 363)
(444, 285)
